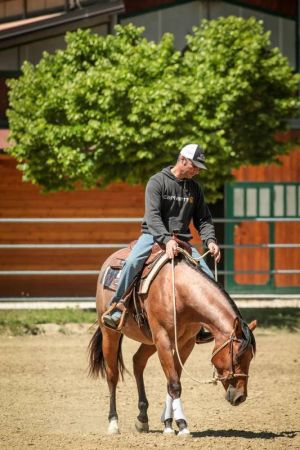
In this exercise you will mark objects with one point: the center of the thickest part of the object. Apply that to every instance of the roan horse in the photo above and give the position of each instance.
(200, 301)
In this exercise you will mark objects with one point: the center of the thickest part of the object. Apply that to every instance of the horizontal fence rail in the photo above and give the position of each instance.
(125, 245)
(132, 219)
(63, 245)
(122, 245)
(71, 220)
(96, 272)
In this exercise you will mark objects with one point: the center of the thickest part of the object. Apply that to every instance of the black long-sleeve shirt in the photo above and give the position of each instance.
(172, 204)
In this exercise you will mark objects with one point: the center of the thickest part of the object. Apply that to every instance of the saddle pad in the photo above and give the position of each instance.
(111, 278)
(157, 265)
(145, 283)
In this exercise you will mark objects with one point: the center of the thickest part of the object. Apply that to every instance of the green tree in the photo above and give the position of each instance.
(243, 92)
(119, 107)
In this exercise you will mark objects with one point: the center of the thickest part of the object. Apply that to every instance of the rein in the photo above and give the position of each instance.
(213, 380)
(229, 341)
(194, 260)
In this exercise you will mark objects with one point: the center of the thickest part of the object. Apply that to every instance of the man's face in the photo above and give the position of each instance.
(190, 170)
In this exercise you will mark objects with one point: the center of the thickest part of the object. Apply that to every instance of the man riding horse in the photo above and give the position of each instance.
(172, 201)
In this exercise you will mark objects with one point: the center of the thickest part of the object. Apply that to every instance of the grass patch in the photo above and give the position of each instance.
(21, 322)
(278, 318)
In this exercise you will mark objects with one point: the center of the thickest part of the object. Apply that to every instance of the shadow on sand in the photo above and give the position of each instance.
(244, 434)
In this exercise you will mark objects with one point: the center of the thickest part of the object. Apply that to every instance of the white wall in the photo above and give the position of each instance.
(180, 19)
(33, 52)
(9, 59)
(13, 58)
(283, 31)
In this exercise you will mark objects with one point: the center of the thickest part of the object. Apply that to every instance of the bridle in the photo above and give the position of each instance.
(230, 341)
(232, 374)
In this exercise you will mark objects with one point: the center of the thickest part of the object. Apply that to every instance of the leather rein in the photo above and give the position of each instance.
(232, 374)
(232, 338)
(230, 341)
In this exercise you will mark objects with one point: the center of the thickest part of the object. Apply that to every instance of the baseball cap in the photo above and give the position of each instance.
(195, 154)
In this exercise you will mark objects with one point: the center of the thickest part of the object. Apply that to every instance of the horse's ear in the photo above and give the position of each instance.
(252, 325)
(237, 326)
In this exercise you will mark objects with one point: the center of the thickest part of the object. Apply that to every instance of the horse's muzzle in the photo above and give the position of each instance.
(235, 396)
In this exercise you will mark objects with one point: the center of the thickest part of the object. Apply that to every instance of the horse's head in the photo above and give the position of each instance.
(232, 359)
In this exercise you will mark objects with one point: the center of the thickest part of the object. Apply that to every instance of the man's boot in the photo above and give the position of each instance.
(204, 336)
(112, 318)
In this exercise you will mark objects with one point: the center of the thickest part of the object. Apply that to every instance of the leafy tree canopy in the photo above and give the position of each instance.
(117, 107)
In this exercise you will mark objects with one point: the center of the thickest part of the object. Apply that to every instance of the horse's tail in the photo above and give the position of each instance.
(97, 364)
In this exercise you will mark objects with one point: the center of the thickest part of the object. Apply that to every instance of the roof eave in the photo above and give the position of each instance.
(7, 36)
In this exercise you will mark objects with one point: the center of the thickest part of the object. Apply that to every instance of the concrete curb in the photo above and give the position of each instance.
(242, 301)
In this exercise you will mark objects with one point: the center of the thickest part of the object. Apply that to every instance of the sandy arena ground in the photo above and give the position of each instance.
(48, 402)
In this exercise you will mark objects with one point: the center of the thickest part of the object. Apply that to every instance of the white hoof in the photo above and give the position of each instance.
(141, 427)
(184, 433)
(113, 427)
(169, 431)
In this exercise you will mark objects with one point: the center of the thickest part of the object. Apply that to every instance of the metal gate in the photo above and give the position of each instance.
(263, 256)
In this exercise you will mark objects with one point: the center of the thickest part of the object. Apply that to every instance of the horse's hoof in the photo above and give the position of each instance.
(169, 431)
(185, 432)
(113, 427)
(141, 427)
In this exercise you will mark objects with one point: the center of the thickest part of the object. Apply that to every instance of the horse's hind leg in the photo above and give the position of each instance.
(110, 347)
(140, 359)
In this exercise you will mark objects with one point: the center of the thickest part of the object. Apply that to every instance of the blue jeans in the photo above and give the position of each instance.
(135, 261)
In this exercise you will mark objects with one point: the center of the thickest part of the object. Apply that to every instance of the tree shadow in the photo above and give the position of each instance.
(244, 434)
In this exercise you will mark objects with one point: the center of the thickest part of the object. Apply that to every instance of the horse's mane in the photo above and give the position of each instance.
(217, 285)
(248, 335)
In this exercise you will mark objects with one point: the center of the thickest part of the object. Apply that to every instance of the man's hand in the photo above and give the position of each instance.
(171, 248)
(215, 251)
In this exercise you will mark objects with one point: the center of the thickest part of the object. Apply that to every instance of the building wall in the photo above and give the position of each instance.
(24, 200)
(169, 18)
(18, 199)
(29, 43)
(286, 8)
(288, 170)
(280, 7)
(32, 48)
(10, 9)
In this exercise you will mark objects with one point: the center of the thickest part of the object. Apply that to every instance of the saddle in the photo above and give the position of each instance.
(153, 264)
(155, 261)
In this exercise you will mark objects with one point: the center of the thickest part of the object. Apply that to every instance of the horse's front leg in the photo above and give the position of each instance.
(140, 359)
(173, 406)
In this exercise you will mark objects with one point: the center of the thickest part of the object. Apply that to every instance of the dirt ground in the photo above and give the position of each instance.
(48, 402)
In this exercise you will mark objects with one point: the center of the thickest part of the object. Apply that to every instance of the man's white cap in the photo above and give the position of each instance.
(195, 154)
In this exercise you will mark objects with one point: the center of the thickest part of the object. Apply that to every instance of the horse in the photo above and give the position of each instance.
(200, 301)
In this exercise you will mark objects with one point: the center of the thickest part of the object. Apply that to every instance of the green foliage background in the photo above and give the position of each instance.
(119, 108)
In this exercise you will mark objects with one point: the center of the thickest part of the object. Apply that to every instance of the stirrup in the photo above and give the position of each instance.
(122, 308)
